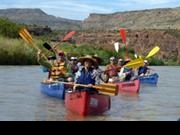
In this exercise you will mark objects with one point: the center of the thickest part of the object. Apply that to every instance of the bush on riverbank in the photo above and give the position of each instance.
(16, 52)
(9, 29)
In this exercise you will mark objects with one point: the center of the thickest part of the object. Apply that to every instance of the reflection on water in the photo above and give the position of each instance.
(21, 99)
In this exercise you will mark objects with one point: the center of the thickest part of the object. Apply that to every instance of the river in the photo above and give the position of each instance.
(21, 99)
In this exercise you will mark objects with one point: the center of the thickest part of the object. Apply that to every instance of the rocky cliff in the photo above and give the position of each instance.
(39, 17)
(167, 18)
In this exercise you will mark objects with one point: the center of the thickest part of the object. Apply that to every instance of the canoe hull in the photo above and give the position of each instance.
(130, 86)
(85, 103)
(53, 89)
(151, 79)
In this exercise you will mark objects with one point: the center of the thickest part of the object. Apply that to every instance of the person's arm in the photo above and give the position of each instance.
(69, 71)
(106, 71)
(43, 62)
(96, 75)
(78, 74)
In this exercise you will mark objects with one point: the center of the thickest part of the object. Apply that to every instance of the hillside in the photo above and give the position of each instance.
(145, 29)
(167, 18)
(38, 17)
(141, 40)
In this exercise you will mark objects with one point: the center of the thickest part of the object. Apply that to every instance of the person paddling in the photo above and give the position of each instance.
(112, 70)
(144, 70)
(87, 75)
(58, 69)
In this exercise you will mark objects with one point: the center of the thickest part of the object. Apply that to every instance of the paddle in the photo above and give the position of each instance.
(116, 46)
(66, 37)
(123, 35)
(69, 35)
(28, 38)
(153, 52)
(48, 47)
(135, 63)
(132, 64)
(107, 89)
(122, 32)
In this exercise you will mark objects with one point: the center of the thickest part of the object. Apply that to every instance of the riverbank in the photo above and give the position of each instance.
(18, 52)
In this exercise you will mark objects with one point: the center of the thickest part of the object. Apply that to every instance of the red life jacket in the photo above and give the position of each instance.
(112, 70)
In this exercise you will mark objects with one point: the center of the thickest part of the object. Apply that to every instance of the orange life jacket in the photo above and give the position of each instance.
(58, 71)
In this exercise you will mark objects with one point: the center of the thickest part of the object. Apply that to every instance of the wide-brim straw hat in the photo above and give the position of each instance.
(98, 59)
(88, 57)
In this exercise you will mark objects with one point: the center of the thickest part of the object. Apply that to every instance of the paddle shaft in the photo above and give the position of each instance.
(28, 38)
(108, 89)
(66, 37)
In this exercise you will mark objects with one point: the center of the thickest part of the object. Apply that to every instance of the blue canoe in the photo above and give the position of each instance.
(150, 79)
(53, 89)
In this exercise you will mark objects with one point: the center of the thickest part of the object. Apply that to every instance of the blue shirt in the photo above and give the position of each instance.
(86, 77)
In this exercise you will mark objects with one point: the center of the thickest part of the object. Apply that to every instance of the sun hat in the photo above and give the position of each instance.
(145, 61)
(73, 58)
(98, 59)
(88, 57)
(120, 59)
(112, 58)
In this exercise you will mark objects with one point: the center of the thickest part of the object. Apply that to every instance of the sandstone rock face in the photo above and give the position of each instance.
(146, 19)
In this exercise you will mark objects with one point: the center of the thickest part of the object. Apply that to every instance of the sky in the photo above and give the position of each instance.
(80, 9)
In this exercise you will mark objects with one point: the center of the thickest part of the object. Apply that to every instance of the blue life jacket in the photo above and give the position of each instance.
(129, 75)
(86, 77)
(142, 70)
(127, 70)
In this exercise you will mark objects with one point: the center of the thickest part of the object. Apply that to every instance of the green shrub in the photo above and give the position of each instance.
(9, 29)
(155, 61)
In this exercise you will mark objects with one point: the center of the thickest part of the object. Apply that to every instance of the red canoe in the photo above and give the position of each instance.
(84, 103)
(130, 86)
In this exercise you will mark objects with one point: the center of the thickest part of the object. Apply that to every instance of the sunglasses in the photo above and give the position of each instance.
(73, 59)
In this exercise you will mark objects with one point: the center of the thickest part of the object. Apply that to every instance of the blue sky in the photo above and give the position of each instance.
(80, 9)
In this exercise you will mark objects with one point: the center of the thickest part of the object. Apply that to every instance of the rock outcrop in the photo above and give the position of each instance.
(166, 18)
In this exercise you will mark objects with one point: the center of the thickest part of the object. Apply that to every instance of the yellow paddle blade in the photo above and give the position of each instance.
(135, 63)
(107, 89)
(26, 36)
(153, 51)
(23, 37)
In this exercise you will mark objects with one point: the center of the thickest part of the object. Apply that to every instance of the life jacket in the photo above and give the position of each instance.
(129, 73)
(86, 77)
(58, 71)
(112, 71)
(142, 70)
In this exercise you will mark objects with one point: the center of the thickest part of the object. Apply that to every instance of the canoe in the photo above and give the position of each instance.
(129, 86)
(53, 89)
(150, 79)
(84, 103)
